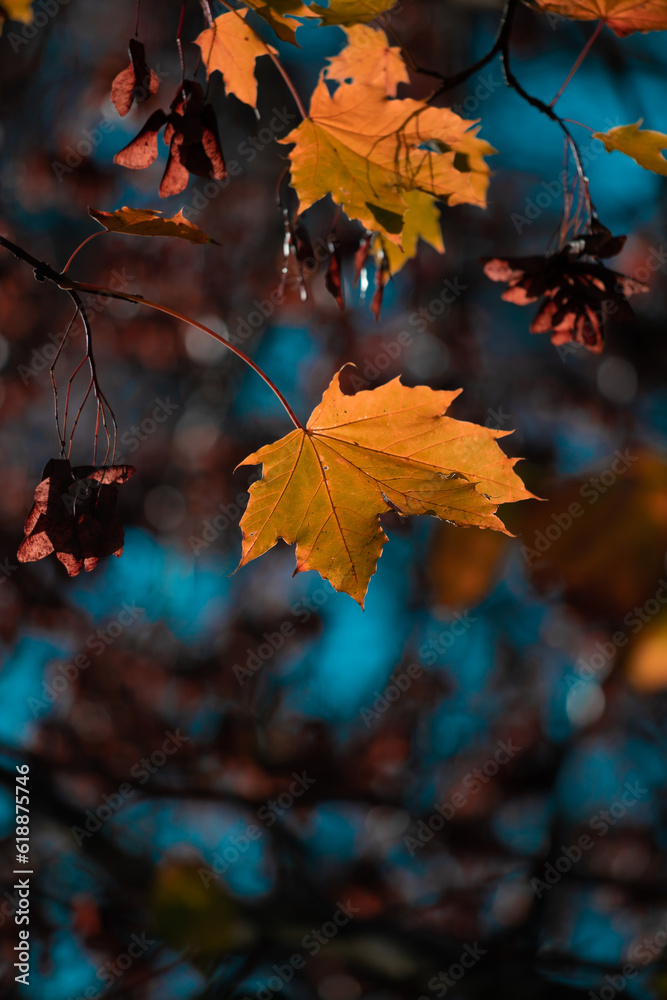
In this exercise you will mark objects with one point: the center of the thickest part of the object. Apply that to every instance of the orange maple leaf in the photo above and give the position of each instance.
(369, 59)
(147, 222)
(622, 16)
(391, 448)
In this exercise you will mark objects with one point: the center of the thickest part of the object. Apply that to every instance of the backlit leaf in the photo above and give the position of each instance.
(231, 47)
(643, 145)
(390, 448)
(370, 151)
(420, 222)
(369, 59)
(622, 16)
(146, 222)
(137, 82)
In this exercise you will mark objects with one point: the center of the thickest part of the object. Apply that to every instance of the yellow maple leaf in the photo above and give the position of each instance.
(420, 222)
(147, 222)
(644, 146)
(232, 47)
(347, 12)
(369, 59)
(622, 16)
(391, 448)
(15, 10)
(368, 151)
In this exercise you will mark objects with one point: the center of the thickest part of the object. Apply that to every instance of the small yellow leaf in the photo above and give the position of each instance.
(146, 222)
(642, 145)
(232, 47)
(369, 59)
(391, 448)
(347, 12)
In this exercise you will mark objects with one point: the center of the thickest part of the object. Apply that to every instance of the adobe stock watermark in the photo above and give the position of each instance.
(430, 651)
(552, 191)
(311, 943)
(445, 980)
(214, 526)
(390, 350)
(267, 815)
(485, 85)
(496, 418)
(591, 491)
(606, 651)
(265, 308)
(97, 642)
(109, 973)
(398, 685)
(141, 432)
(474, 781)
(642, 954)
(256, 658)
(600, 824)
(42, 12)
(75, 155)
(247, 150)
(141, 772)
(7, 567)
(41, 357)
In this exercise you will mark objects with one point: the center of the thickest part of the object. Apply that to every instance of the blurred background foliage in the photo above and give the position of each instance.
(554, 641)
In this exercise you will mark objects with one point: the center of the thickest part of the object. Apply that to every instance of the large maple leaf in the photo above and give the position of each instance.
(391, 448)
(368, 151)
(622, 16)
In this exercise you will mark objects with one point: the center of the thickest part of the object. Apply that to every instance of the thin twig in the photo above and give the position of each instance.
(61, 438)
(99, 395)
(44, 271)
(504, 28)
(100, 232)
(580, 58)
(535, 102)
(179, 44)
(139, 300)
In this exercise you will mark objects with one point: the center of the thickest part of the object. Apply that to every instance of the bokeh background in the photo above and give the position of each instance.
(539, 660)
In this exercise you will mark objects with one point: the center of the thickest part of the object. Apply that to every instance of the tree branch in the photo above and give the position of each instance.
(44, 272)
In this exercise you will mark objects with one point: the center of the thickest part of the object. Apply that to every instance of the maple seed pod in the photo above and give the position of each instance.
(136, 83)
(74, 515)
(578, 292)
